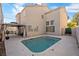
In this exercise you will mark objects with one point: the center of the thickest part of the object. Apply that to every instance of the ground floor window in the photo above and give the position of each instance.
(36, 29)
(47, 29)
(50, 29)
(30, 28)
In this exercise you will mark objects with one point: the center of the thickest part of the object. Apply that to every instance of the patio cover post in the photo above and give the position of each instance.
(4, 28)
(24, 32)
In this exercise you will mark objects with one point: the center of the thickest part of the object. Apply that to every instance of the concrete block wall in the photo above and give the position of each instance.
(75, 34)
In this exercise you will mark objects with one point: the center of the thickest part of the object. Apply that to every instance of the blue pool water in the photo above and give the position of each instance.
(40, 44)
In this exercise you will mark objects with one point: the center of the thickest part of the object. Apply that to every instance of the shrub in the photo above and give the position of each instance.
(68, 31)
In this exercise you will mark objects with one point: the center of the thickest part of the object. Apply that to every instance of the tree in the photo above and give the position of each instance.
(76, 18)
(71, 24)
(74, 21)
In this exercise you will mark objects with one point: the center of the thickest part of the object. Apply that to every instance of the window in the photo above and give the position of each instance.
(52, 22)
(36, 29)
(46, 29)
(30, 28)
(47, 22)
(52, 28)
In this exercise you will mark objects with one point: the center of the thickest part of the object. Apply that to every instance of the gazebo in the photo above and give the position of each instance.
(21, 28)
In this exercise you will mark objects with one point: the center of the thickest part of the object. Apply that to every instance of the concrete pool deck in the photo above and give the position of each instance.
(65, 47)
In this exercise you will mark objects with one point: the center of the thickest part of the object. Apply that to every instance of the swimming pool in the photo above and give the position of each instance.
(40, 44)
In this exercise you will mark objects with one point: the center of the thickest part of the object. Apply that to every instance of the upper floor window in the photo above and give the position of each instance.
(52, 22)
(47, 22)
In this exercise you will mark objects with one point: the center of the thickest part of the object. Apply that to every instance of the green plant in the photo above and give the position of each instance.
(7, 32)
(68, 31)
(72, 24)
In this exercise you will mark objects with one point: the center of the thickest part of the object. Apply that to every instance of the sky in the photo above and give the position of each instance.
(11, 9)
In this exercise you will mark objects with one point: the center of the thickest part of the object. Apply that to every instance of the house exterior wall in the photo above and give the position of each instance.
(32, 17)
(60, 20)
(63, 20)
(18, 18)
(35, 17)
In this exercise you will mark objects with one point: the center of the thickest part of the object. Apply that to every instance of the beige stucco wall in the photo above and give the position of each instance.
(63, 20)
(32, 15)
(18, 18)
(59, 16)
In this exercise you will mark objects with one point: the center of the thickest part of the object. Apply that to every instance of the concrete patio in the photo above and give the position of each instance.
(65, 47)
